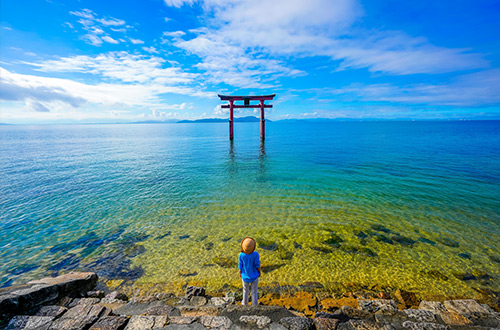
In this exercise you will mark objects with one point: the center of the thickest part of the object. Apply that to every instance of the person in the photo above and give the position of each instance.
(249, 266)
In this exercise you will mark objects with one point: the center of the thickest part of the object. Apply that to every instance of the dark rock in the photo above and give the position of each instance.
(202, 238)
(208, 246)
(360, 234)
(349, 248)
(136, 308)
(168, 233)
(297, 323)
(367, 252)
(54, 311)
(325, 323)
(392, 317)
(348, 312)
(23, 269)
(449, 242)
(383, 238)
(275, 313)
(464, 255)
(297, 245)
(187, 273)
(420, 315)
(406, 241)
(70, 262)
(80, 317)
(284, 254)
(30, 322)
(117, 264)
(322, 249)
(334, 240)
(464, 276)
(184, 236)
(110, 323)
(381, 228)
(425, 240)
(163, 310)
(226, 239)
(326, 315)
(95, 294)
(192, 291)
(117, 295)
(406, 298)
(18, 322)
(194, 326)
(495, 259)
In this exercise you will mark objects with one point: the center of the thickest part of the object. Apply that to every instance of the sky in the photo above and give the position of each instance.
(108, 61)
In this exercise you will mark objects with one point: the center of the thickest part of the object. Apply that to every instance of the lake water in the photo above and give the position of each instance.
(413, 205)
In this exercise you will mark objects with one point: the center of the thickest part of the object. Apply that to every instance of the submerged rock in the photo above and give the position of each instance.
(284, 254)
(379, 227)
(208, 246)
(225, 262)
(465, 255)
(334, 240)
(168, 233)
(184, 236)
(383, 238)
(297, 245)
(403, 240)
(425, 240)
(449, 242)
(406, 298)
(366, 251)
(267, 245)
(360, 234)
(322, 249)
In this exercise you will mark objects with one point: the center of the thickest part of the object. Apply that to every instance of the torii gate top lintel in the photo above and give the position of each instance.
(247, 98)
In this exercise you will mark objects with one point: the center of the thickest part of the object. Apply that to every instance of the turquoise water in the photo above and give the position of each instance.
(398, 204)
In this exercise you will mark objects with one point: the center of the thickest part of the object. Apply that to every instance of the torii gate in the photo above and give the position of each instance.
(246, 104)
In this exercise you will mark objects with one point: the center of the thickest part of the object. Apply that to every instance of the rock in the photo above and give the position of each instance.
(54, 311)
(88, 301)
(143, 299)
(449, 242)
(301, 302)
(454, 319)
(334, 240)
(468, 308)
(110, 323)
(353, 313)
(79, 317)
(403, 240)
(406, 298)
(433, 306)
(381, 228)
(424, 326)
(76, 283)
(192, 291)
(465, 256)
(95, 294)
(163, 310)
(222, 301)
(198, 301)
(133, 308)
(199, 311)
(26, 322)
(141, 322)
(275, 313)
(322, 323)
(194, 326)
(254, 320)
(297, 323)
(390, 317)
(419, 315)
(116, 295)
(364, 325)
(330, 304)
(187, 273)
(182, 319)
(426, 240)
(219, 322)
(376, 305)
(17, 322)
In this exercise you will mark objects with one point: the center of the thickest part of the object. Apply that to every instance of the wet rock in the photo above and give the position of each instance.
(297, 323)
(117, 264)
(449, 242)
(419, 315)
(254, 320)
(311, 286)
(222, 301)
(202, 238)
(18, 322)
(434, 306)
(464, 276)
(54, 311)
(182, 319)
(110, 323)
(268, 245)
(403, 240)
(380, 228)
(406, 298)
(198, 301)
(225, 262)
(330, 304)
(219, 322)
(465, 256)
(69, 262)
(334, 240)
(163, 310)
(468, 308)
(325, 323)
(377, 305)
(426, 240)
(141, 322)
(350, 312)
(364, 325)
(184, 236)
(410, 325)
(297, 245)
(88, 301)
(95, 294)
(116, 295)
(192, 291)
(495, 259)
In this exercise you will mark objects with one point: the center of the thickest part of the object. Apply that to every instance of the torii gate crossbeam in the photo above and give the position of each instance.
(246, 99)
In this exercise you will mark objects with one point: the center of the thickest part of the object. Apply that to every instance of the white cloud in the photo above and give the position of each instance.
(178, 3)
(150, 50)
(174, 34)
(136, 41)
(110, 40)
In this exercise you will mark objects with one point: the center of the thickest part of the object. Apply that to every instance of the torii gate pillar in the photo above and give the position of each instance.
(231, 106)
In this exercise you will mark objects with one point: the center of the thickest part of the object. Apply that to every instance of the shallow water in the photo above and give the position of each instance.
(400, 204)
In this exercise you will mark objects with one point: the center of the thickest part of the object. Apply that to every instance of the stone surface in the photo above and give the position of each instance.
(406, 298)
(141, 322)
(354, 313)
(302, 302)
(198, 301)
(254, 320)
(222, 301)
(80, 317)
(192, 291)
(393, 317)
(110, 323)
(330, 304)
(297, 323)
(453, 318)
(322, 323)
(275, 313)
(364, 325)
(54, 311)
(163, 310)
(376, 305)
(116, 295)
(419, 315)
(410, 325)
(27, 322)
(95, 294)
(194, 326)
(434, 306)
(468, 308)
(182, 319)
(88, 301)
(199, 311)
(219, 322)
(133, 308)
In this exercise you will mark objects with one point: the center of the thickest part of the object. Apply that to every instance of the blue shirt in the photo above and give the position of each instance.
(248, 264)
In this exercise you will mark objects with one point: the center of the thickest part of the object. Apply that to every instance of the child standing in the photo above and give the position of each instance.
(249, 265)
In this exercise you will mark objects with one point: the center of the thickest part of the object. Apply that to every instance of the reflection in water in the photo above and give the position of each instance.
(262, 160)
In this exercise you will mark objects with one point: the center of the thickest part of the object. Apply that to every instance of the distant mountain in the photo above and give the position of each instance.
(248, 119)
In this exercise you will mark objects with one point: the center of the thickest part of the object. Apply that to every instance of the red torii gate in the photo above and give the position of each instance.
(246, 104)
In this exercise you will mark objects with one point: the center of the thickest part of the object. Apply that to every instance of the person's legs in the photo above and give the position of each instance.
(246, 289)
(255, 294)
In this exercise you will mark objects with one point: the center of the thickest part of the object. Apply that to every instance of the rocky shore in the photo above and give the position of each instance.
(71, 301)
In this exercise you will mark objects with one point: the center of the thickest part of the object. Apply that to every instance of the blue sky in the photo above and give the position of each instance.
(126, 61)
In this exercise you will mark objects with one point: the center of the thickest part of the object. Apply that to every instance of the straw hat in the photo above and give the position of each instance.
(248, 245)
